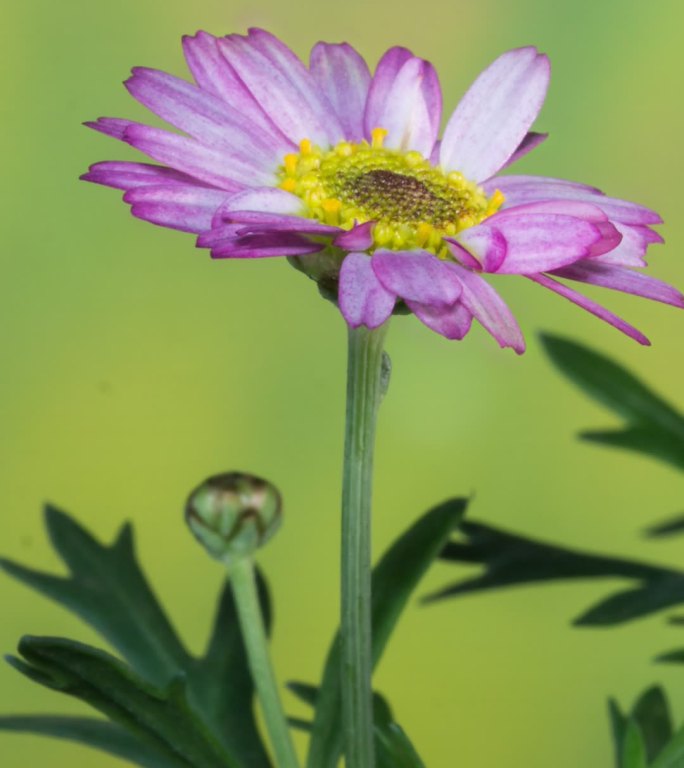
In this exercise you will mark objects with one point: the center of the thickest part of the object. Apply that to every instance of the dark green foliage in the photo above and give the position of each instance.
(511, 560)
(394, 579)
(160, 718)
(652, 426)
(99, 734)
(643, 736)
(108, 589)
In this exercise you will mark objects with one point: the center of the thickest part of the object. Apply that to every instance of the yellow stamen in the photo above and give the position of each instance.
(423, 232)
(331, 209)
(495, 202)
(305, 146)
(290, 162)
(289, 185)
(378, 137)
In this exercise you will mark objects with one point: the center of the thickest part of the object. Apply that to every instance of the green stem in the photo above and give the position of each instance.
(243, 583)
(364, 391)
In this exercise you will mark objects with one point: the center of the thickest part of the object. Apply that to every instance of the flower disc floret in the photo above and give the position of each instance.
(411, 202)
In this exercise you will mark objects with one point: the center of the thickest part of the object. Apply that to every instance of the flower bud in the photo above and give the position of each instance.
(232, 514)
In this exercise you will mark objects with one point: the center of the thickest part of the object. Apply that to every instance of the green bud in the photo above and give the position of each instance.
(233, 514)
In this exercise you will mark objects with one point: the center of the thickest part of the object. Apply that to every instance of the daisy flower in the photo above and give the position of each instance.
(346, 174)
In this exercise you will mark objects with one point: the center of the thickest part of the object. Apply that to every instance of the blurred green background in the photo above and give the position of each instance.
(133, 367)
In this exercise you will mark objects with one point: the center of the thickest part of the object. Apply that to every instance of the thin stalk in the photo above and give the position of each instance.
(364, 391)
(243, 583)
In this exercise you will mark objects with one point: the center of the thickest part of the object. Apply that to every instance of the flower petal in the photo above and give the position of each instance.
(266, 245)
(362, 298)
(359, 238)
(591, 306)
(479, 248)
(632, 249)
(206, 118)
(494, 116)
(537, 242)
(216, 167)
(214, 75)
(111, 126)
(485, 304)
(405, 98)
(621, 279)
(125, 175)
(283, 86)
(531, 141)
(256, 221)
(452, 322)
(343, 76)
(178, 206)
(263, 199)
(417, 276)
(528, 189)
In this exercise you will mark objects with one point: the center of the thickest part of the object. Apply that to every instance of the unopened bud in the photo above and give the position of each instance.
(234, 513)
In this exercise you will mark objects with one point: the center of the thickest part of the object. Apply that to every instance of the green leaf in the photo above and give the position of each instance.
(220, 685)
(160, 718)
(633, 747)
(652, 714)
(653, 427)
(109, 591)
(618, 722)
(672, 755)
(673, 526)
(511, 560)
(98, 734)
(394, 579)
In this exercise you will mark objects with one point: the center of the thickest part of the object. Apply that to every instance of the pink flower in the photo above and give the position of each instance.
(343, 172)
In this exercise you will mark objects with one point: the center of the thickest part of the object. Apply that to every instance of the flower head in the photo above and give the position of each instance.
(344, 172)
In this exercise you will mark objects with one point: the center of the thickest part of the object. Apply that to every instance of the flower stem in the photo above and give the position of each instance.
(243, 583)
(364, 391)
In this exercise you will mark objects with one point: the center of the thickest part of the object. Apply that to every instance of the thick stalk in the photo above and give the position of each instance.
(364, 385)
(243, 583)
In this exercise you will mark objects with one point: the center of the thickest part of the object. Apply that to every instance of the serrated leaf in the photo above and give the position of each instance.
(160, 718)
(98, 734)
(652, 713)
(394, 579)
(613, 385)
(635, 603)
(220, 685)
(109, 591)
(670, 527)
(512, 560)
(672, 755)
(633, 747)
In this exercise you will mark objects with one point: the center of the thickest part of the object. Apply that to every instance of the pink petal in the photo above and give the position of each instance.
(417, 276)
(528, 189)
(451, 322)
(214, 75)
(111, 126)
(538, 242)
(621, 279)
(262, 199)
(479, 248)
(362, 298)
(482, 301)
(256, 221)
(188, 208)
(283, 87)
(359, 238)
(590, 306)
(405, 98)
(632, 249)
(343, 76)
(531, 141)
(125, 175)
(216, 167)
(496, 113)
(206, 118)
(264, 246)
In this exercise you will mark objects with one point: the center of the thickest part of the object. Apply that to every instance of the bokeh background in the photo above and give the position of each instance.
(132, 367)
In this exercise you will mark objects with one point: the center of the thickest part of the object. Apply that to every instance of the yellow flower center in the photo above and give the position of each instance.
(412, 203)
